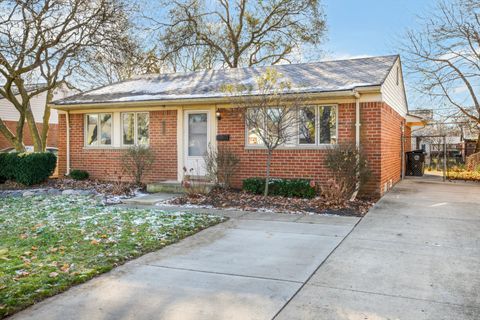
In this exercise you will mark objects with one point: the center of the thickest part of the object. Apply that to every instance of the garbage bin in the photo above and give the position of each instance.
(415, 163)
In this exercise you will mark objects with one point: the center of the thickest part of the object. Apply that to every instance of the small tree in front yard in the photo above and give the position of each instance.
(270, 112)
(137, 161)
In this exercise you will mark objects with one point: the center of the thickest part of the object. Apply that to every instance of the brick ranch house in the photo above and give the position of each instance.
(178, 115)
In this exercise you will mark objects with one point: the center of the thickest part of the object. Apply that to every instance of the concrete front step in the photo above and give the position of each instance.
(176, 187)
(150, 199)
(165, 187)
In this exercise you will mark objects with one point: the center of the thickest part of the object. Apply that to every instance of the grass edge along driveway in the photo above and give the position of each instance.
(50, 243)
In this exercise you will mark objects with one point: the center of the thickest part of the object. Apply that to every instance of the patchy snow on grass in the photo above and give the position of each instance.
(48, 243)
(166, 204)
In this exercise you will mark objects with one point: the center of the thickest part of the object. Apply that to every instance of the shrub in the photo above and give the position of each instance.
(137, 161)
(254, 185)
(330, 191)
(349, 168)
(220, 164)
(472, 162)
(300, 188)
(79, 174)
(192, 186)
(27, 168)
(464, 175)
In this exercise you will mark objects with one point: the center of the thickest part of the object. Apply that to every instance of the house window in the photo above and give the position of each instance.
(98, 129)
(307, 125)
(135, 128)
(327, 123)
(253, 133)
(317, 125)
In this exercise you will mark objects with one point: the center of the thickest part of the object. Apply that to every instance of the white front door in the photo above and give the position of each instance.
(197, 138)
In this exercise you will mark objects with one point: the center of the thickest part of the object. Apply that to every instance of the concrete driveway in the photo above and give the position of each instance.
(415, 255)
(246, 268)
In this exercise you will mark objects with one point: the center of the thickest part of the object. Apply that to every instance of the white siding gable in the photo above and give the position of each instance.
(37, 103)
(393, 90)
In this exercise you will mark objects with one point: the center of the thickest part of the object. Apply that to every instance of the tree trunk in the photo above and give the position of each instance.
(46, 120)
(14, 141)
(20, 146)
(37, 141)
(10, 136)
(477, 146)
(267, 178)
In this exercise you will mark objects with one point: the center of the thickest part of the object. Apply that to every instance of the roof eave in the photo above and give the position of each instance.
(415, 121)
(211, 100)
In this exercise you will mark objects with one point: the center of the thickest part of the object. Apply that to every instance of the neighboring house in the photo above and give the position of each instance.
(178, 115)
(469, 146)
(460, 139)
(10, 116)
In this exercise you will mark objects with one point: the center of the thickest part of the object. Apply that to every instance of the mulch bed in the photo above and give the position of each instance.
(245, 201)
(106, 188)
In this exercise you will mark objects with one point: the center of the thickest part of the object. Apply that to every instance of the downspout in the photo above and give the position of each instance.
(403, 149)
(68, 143)
(357, 118)
(357, 140)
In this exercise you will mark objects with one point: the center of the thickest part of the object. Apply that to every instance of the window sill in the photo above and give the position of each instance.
(92, 148)
(109, 147)
(297, 147)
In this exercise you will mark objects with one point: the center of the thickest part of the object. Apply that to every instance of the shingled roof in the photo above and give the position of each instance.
(315, 77)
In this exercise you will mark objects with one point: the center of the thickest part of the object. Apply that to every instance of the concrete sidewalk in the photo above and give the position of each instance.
(416, 255)
(245, 268)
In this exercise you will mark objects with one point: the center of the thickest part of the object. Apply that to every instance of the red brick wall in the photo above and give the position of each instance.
(408, 138)
(105, 163)
(298, 163)
(391, 147)
(27, 137)
(380, 139)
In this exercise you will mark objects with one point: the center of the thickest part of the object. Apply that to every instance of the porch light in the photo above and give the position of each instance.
(218, 115)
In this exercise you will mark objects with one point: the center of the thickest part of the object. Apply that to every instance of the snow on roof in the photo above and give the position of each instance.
(324, 76)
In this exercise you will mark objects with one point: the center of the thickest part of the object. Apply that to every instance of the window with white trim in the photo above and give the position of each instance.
(253, 134)
(327, 124)
(317, 125)
(98, 129)
(135, 128)
(307, 125)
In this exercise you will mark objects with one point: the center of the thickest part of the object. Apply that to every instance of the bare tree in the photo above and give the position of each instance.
(39, 40)
(444, 56)
(271, 112)
(187, 59)
(241, 32)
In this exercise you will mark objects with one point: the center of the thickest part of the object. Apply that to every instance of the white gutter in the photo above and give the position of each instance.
(357, 118)
(357, 140)
(403, 149)
(200, 100)
(68, 142)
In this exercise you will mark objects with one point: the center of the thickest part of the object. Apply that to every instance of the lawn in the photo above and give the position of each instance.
(48, 244)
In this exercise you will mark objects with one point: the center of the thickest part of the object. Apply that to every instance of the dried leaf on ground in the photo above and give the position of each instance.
(251, 202)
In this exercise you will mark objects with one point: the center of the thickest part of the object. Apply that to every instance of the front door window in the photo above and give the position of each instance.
(197, 134)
